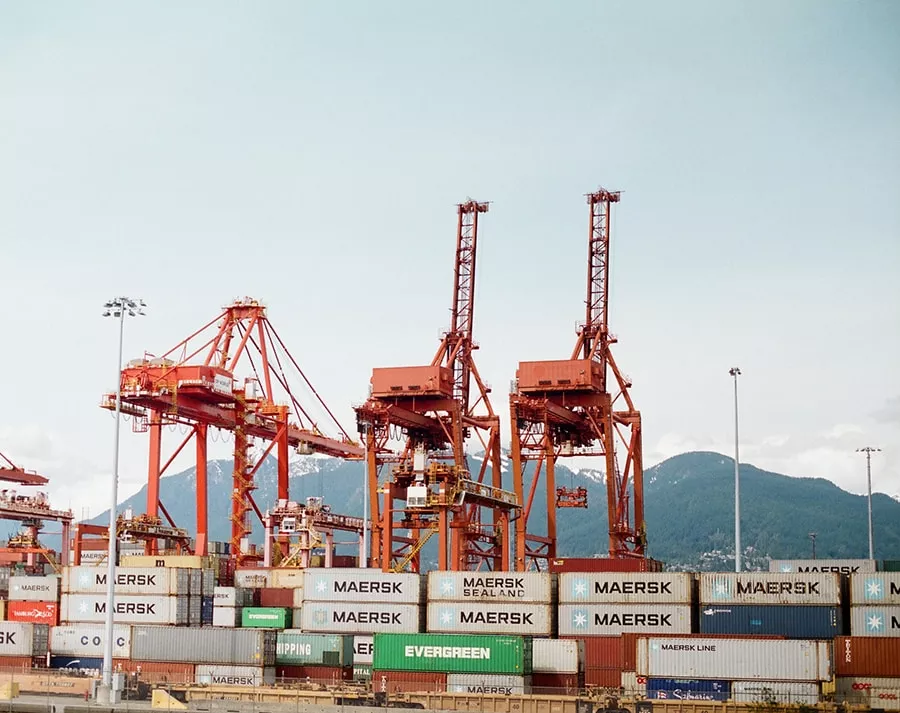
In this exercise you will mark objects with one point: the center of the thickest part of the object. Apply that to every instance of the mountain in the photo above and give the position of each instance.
(689, 504)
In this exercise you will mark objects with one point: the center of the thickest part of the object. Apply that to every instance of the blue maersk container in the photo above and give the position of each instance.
(206, 611)
(675, 689)
(792, 621)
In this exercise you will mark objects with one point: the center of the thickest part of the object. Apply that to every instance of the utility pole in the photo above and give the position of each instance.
(735, 372)
(812, 536)
(868, 450)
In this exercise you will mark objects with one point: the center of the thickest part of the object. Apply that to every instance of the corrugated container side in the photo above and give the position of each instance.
(129, 580)
(233, 597)
(154, 672)
(603, 677)
(795, 622)
(218, 675)
(16, 638)
(493, 618)
(272, 597)
(326, 675)
(360, 618)
(603, 652)
(40, 639)
(678, 689)
(241, 647)
(771, 692)
(453, 653)
(33, 612)
(556, 684)
(867, 656)
(252, 578)
(226, 616)
(129, 609)
(408, 681)
(167, 561)
(604, 564)
(632, 686)
(836, 566)
(488, 684)
(362, 649)
(629, 644)
(34, 589)
(617, 619)
(873, 621)
(356, 585)
(209, 582)
(625, 588)
(882, 588)
(285, 578)
(771, 588)
(88, 640)
(266, 617)
(15, 663)
(890, 566)
(524, 587)
(883, 693)
(557, 655)
(299, 649)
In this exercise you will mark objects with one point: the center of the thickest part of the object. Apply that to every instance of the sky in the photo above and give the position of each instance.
(311, 155)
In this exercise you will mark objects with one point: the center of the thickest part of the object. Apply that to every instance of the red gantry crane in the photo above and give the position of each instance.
(196, 385)
(431, 411)
(573, 408)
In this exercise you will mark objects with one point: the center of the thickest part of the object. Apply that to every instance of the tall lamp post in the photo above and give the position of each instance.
(868, 450)
(119, 307)
(736, 372)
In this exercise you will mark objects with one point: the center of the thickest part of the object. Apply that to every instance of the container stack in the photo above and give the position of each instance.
(34, 600)
(363, 647)
(846, 567)
(317, 658)
(557, 666)
(875, 604)
(867, 671)
(19, 642)
(796, 605)
(80, 646)
(497, 665)
(491, 603)
(228, 604)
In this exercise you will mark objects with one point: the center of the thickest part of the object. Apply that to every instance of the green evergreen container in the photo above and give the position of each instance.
(298, 649)
(265, 618)
(452, 653)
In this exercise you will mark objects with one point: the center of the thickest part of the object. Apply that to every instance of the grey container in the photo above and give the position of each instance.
(17, 638)
(239, 647)
(196, 586)
(208, 584)
(488, 684)
(618, 619)
(875, 621)
(625, 587)
(836, 566)
(490, 618)
(40, 641)
(781, 588)
(360, 618)
(361, 585)
(524, 587)
(34, 589)
(875, 589)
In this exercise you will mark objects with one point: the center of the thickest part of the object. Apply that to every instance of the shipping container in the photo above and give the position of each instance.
(488, 684)
(2, 610)
(219, 675)
(680, 689)
(227, 616)
(883, 693)
(557, 656)
(362, 672)
(129, 609)
(34, 589)
(632, 686)
(890, 566)
(794, 622)
(89, 640)
(408, 681)
(327, 675)
(196, 579)
(867, 621)
(285, 578)
(629, 643)
(208, 584)
(604, 564)
(836, 566)
(33, 612)
(168, 561)
(206, 611)
(129, 580)
(361, 585)
(867, 656)
(298, 649)
(808, 588)
(625, 588)
(240, 647)
(158, 672)
(617, 619)
(362, 649)
(603, 678)
(525, 587)
(80, 664)
(604, 651)
(271, 597)
(252, 578)
(453, 653)
(266, 617)
(734, 659)
(360, 618)
(556, 684)
(775, 692)
(233, 597)
(882, 588)
(16, 639)
(16, 663)
(493, 618)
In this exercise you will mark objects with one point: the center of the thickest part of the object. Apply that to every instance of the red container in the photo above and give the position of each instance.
(556, 684)
(344, 561)
(315, 674)
(157, 671)
(629, 643)
(602, 651)
(33, 612)
(867, 656)
(603, 677)
(15, 663)
(408, 681)
(282, 598)
(598, 564)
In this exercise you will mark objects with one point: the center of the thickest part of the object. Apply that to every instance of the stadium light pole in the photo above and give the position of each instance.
(736, 372)
(868, 450)
(119, 307)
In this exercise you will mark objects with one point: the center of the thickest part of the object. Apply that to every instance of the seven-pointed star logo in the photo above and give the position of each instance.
(721, 588)
(321, 586)
(786, 568)
(579, 619)
(873, 589)
(446, 617)
(83, 607)
(875, 621)
(447, 585)
(84, 579)
(320, 616)
(579, 588)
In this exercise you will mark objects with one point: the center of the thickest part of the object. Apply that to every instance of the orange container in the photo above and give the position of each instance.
(408, 681)
(157, 671)
(33, 612)
(409, 381)
(873, 656)
(560, 375)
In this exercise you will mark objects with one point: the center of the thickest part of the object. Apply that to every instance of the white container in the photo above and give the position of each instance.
(286, 578)
(361, 585)
(217, 675)
(869, 692)
(814, 588)
(488, 684)
(875, 621)
(525, 587)
(880, 588)
(734, 659)
(360, 618)
(618, 619)
(129, 609)
(88, 640)
(633, 686)
(16, 638)
(168, 561)
(836, 566)
(236, 647)
(34, 589)
(98, 557)
(363, 646)
(495, 618)
(232, 597)
(784, 692)
(226, 616)
(298, 598)
(252, 578)
(625, 587)
(557, 655)
(129, 580)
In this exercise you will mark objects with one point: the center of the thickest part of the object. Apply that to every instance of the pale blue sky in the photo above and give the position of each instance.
(311, 155)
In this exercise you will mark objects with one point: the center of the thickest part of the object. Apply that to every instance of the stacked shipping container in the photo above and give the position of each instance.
(875, 604)
(34, 600)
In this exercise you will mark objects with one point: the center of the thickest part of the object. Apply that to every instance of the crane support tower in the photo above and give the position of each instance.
(418, 419)
(233, 374)
(572, 407)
